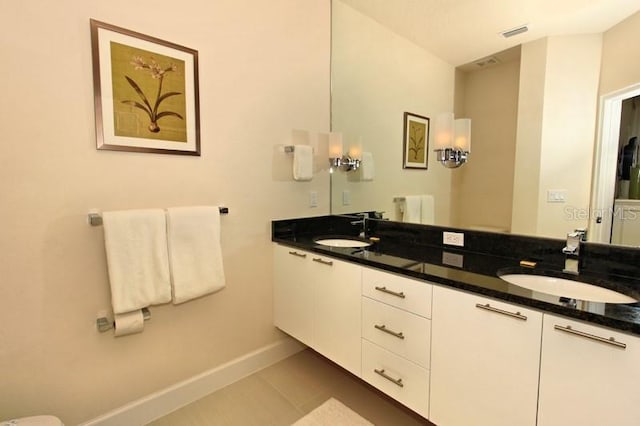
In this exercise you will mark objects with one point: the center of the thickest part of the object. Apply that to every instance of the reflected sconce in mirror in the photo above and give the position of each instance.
(338, 160)
(452, 139)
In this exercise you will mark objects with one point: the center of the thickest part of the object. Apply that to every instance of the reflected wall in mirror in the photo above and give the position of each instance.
(534, 112)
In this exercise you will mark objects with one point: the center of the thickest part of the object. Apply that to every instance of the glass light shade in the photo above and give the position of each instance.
(335, 145)
(355, 150)
(443, 131)
(462, 134)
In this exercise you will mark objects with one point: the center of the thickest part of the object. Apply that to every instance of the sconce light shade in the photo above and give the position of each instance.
(355, 150)
(452, 140)
(338, 160)
(335, 145)
(443, 131)
(462, 134)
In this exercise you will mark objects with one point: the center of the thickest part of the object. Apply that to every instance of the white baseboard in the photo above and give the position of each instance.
(161, 403)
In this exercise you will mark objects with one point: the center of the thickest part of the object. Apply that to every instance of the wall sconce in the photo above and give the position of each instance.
(452, 140)
(348, 162)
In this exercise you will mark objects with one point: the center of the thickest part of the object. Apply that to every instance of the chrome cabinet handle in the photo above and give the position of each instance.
(295, 253)
(397, 382)
(324, 262)
(488, 307)
(610, 341)
(391, 332)
(391, 292)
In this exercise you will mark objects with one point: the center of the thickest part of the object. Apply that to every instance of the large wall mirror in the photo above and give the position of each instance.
(546, 153)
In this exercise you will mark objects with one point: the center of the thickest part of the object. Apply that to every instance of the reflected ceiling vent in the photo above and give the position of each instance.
(515, 31)
(485, 62)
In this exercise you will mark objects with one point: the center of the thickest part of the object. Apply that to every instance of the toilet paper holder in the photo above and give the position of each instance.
(104, 324)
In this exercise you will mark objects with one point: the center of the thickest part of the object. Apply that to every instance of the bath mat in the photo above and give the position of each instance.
(333, 413)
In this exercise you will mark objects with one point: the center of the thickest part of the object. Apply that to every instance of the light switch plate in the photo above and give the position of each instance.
(557, 196)
(453, 238)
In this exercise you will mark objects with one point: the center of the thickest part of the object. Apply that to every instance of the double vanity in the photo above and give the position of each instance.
(465, 335)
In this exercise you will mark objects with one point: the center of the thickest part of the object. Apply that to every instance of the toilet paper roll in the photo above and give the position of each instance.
(129, 323)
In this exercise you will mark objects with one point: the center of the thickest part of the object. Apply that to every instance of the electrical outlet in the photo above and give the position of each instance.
(346, 197)
(453, 238)
(452, 259)
(313, 199)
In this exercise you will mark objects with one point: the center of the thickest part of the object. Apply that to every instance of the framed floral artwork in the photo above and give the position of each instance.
(416, 141)
(145, 92)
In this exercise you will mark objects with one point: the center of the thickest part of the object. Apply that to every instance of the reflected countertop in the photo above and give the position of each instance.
(478, 273)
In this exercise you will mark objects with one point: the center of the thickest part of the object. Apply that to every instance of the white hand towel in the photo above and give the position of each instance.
(195, 255)
(427, 210)
(137, 259)
(302, 162)
(367, 166)
(412, 207)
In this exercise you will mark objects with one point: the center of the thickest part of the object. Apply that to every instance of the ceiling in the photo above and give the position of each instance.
(461, 31)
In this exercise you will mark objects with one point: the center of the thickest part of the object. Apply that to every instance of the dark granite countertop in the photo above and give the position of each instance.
(477, 273)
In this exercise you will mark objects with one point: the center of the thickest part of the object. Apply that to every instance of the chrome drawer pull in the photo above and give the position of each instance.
(391, 292)
(488, 307)
(610, 341)
(295, 253)
(324, 262)
(391, 332)
(391, 379)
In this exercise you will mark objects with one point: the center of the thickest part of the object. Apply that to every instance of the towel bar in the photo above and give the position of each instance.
(291, 148)
(103, 324)
(398, 199)
(95, 219)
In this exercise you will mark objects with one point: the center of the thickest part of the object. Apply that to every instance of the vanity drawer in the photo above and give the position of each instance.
(401, 332)
(402, 380)
(404, 293)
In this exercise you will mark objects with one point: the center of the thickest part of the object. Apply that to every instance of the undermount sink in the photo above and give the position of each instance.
(342, 242)
(567, 288)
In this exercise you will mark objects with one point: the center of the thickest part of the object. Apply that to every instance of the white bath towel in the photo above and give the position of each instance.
(367, 166)
(302, 162)
(137, 259)
(195, 255)
(412, 209)
(427, 210)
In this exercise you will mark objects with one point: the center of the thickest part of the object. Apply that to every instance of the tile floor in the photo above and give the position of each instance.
(284, 392)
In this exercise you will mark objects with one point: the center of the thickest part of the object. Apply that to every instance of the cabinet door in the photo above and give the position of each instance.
(484, 361)
(292, 293)
(337, 288)
(586, 378)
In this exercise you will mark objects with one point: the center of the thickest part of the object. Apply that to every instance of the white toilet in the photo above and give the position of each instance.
(33, 421)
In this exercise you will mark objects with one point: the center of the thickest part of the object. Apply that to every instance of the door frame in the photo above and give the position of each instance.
(606, 163)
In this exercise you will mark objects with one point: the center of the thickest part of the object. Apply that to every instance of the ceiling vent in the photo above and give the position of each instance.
(515, 31)
(484, 62)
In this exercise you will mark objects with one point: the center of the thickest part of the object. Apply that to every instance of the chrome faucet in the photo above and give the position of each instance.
(572, 251)
(362, 222)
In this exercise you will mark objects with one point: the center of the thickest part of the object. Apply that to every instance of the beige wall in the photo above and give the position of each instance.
(620, 63)
(568, 137)
(528, 147)
(264, 69)
(482, 190)
(376, 77)
(556, 128)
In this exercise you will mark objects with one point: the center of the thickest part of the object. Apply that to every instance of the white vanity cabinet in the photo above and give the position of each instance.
(585, 377)
(396, 337)
(317, 301)
(484, 361)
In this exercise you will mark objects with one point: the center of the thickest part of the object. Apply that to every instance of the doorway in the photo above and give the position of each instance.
(605, 185)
